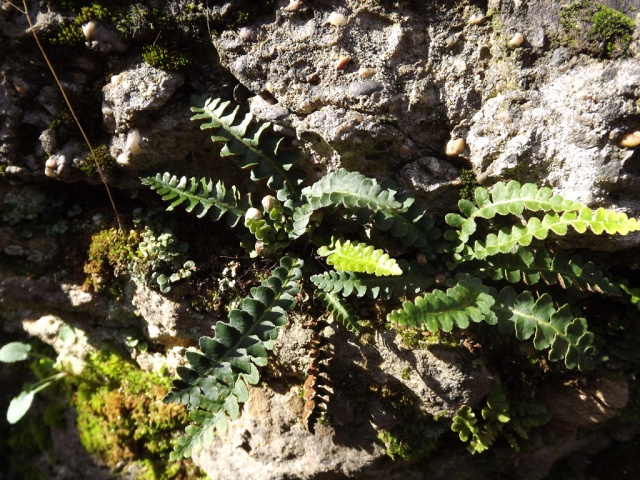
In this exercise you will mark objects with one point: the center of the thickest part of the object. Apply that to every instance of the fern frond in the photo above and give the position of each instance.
(367, 201)
(216, 380)
(201, 196)
(359, 257)
(468, 300)
(465, 424)
(525, 266)
(340, 310)
(255, 151)
(504, 199)
(507, 240)
(414, 279)
(567, 337)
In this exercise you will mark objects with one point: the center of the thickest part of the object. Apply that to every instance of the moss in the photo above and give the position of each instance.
(121, 416)
(164, 59)
(110, 253)
(596, 29)
(468, 182)
(71, 33)
(102, 158)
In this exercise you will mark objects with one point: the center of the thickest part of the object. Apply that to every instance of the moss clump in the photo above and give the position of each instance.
(468, 182)
(101, 158)
(163, 58)
(111, 252)
(121, 416)
(71, 33)
(596, 29)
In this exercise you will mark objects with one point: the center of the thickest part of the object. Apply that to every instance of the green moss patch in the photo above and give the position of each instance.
(596, 29)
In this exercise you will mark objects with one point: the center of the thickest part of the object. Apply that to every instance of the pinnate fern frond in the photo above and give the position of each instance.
(253, 148)
(468, 300)
(566, 337)
(466, 425)
(216, 380)
(507, 240)
(367, 201)
(340, 310)
(414, 279)
(505, 199)
(542, 266)
(359, 257)
(200, 197)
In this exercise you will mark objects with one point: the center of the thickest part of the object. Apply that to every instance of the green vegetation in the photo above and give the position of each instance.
(511, 420)
(102, 158)
(164, 59)
(71, 33)
(596, 29)
(111, 253)
(121, 417)
(483, 268)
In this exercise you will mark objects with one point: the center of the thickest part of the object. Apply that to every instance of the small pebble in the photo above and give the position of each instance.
(455, 147)
(366, 72)
(342, 62)
(366, 87)
(133, 142)
(630, 140)
(293, 6)
(476, 19)
(337, 19)
(516, 41)
(88, 28)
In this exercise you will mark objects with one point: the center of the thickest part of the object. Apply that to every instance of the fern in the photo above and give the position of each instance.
(504, 199)
(512, 199)
(567, 337)
(465, 424)
(339, 310)
(541, 266)
(367, 201)
(468, 300)
(413, 280)
(216, 380)
(359, 257)
(244, 140)
(501, 417)
(199, 197)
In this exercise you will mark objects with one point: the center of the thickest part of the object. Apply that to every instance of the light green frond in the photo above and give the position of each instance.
(359, 257)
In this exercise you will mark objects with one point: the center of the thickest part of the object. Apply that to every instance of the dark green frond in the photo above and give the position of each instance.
(413, 280)
(566, 337)
(216, 379)
(468, 300)
(254, 148)
(529, 268)
(200, 197)
(339, 310)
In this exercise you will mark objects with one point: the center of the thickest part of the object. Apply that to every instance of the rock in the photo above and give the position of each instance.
(577, 407)
(137, 92)
(101, 39)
